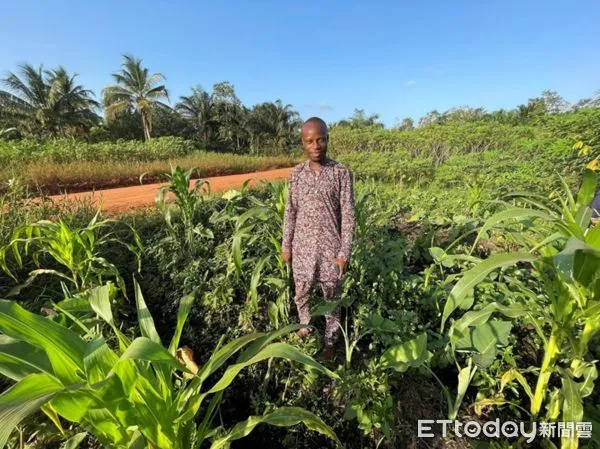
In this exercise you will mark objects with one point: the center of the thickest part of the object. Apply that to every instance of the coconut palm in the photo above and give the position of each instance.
(135, 90)
(199, 109)
(46, 101)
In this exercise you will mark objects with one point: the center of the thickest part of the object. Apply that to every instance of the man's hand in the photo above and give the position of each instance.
(287, 257)
(341, 263)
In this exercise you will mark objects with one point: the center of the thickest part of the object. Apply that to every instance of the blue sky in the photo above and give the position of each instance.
(326, 58)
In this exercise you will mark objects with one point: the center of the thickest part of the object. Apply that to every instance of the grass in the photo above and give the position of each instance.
(55, 177)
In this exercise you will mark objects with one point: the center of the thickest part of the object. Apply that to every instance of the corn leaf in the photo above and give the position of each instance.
(23, 399)
(64, 348)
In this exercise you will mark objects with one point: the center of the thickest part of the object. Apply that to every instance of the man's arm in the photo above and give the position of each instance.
(348, 215)
(289, 219)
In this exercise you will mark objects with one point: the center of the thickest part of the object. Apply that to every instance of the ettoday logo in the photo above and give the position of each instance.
(508, 429)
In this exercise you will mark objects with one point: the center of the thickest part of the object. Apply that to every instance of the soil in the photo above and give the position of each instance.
(125, 199)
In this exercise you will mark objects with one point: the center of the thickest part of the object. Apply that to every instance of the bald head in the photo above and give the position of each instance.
(316, 121)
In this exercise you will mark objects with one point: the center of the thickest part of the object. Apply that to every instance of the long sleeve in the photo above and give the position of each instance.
(289, 217)
(348, 215)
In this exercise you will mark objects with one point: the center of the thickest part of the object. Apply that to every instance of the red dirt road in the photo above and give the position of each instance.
(125, 199)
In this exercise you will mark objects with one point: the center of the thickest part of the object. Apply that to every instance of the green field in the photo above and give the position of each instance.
(473, 293)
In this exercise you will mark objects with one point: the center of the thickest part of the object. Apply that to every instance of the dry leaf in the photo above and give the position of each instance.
(186, 356)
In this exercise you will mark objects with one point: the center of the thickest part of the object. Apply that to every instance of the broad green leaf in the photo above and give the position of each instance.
(142, 348)
(465, 375)
(590, 374)
(282, 417)
(578, 261)
(73, 405)
(100, 302)
(377, 323)
(74, 441)
(486, 336)
(583, 217)
(588, 188)
(52, 414)
(137, 441)
(185, 307)
(278, 350)
(75, 305)
(231, 194)
(324, 308)
(461, 295)
(23, 399)
(553, 404)
(592, 237)
(479, 317)
(107, 428)
(151, 413)
(18, 359)
(63, 347)
(410, 354)
(98, 360)
(572, 410)
(145, 320)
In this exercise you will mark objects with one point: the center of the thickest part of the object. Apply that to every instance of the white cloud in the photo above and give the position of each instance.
(320, 106)
(410, 83)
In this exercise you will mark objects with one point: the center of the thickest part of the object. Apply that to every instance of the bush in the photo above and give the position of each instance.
(67, 150)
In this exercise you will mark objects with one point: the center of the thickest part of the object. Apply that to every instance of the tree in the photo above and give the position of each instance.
(360, 120)
(554, 102)
(433, 117)
(135, 90)
(199, 109)
(273, 124)
(47, 102)
(406, 125)
(535, 107)
(463, 114)
(586, 103)
(231, 114)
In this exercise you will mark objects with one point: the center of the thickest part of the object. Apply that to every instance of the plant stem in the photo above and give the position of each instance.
(550, 356)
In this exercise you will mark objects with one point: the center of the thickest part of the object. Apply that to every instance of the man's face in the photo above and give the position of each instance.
(314, 141)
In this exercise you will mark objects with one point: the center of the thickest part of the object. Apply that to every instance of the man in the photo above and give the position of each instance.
(318, 227)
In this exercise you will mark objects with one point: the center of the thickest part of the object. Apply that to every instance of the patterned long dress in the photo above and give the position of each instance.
(318, 228)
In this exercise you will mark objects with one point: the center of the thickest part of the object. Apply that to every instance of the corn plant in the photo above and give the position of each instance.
(76, 250)
(140, 394)
(263, 222)
(564, 250)
(186, 202)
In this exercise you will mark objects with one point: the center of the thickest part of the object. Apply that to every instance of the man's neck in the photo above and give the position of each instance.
(316, 166)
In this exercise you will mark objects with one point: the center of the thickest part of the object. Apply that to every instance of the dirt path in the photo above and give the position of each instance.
(125, 199)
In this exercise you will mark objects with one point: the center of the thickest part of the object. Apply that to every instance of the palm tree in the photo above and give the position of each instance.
(274, 122)
(46, 101)
(287, 121)
(199, 108)
(135, 91)
(71, 104)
